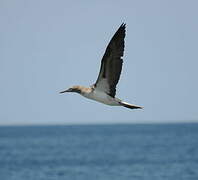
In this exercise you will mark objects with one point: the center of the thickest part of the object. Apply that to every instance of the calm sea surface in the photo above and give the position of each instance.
(106, 152)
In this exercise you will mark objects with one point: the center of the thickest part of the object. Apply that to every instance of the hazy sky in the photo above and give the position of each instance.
(47, 46)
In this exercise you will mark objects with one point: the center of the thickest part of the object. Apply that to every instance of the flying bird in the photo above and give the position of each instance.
(104, 89)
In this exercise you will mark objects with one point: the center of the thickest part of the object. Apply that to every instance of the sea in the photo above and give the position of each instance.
(99, 152)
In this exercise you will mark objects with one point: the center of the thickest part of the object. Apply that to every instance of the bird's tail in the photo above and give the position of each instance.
(130, 106)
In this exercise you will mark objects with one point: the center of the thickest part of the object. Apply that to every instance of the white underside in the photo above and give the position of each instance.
(102, 97)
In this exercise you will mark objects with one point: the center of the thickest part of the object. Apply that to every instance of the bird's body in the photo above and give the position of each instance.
(102, 97)
(104, 89)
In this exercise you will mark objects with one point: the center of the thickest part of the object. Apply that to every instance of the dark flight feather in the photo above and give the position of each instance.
(111, 64)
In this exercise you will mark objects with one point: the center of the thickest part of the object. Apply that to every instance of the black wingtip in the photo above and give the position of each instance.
(122, 28)
(123, 25)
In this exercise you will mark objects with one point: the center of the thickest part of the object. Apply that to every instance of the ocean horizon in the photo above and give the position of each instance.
(119, 151)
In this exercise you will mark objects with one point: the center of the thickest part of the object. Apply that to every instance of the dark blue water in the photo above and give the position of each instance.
(117, 152)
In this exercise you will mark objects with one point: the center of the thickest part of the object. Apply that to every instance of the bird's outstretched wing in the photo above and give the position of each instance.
(111, 64)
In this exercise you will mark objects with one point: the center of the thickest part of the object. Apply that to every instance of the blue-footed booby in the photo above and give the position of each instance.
(104, 89)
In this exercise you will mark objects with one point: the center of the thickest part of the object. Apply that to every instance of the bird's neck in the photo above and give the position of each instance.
(84, 90)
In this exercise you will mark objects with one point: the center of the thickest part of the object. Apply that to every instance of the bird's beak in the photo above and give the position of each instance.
(68, 90)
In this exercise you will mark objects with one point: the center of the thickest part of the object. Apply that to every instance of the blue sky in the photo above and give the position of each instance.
(47, 46)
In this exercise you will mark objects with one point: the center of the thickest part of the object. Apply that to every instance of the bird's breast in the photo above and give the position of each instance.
(101, 97)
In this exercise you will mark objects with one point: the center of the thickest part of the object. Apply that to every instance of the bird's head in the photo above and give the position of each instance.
(76, 89)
